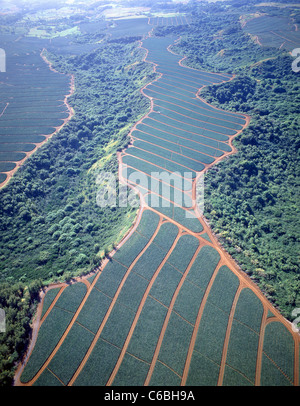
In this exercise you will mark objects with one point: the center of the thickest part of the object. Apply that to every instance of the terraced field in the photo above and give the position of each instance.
(169, 307)
(33, 103)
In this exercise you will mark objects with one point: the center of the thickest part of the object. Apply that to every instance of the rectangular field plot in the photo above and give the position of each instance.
(32, 123)
(150, 168)
(185, 218)
(196, 115)
(211, 333)
(208, 130)
(163, 123)
(132, 372)
(50, 333)
(25, 131)
(16, 147)
(156, 128)
(163, 163)
(234, 378)
(72, 349)
(162, 87)
(188, 301)
(166, 284)
(271, 375)
(203, 371)
(7, 166)
(187, 73)
(12, 156)
(279, 347)
(94, 310)
(166, 236)
(133, 291)
(110, 278)
(174, 152)
(146, 333)
(118, 325)
(183, 252)
(99, 365)
(148, 223)
(223, 289)
(2, 177)
(175, 344)
(131, 249)
(175, 84)
(203, 267)
(164, 195)
(47, 379)
(176, 143)
(149, 261)
(159, 181)
(241, 357)
(71, 297)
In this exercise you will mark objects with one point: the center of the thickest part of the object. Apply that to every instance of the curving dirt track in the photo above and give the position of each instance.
(225, 260)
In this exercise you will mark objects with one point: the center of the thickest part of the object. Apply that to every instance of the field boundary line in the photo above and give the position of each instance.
(174, 152)
(167, 159)
(260, 346)
(111, 306)
(193, 111)
(180, 136)
(228, 332)
(136, 137)
(197, 323)
(140, 308)
(188, 191)
(196, 126)
(168, 315)
(53, 303)
(22, 364)
(70, 110)
(192, 132)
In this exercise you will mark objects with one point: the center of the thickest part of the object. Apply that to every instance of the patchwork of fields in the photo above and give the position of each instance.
(278, 32)
(169, 306)
(33, 103)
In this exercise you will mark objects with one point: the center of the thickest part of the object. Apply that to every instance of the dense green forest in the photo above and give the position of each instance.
(252, 198)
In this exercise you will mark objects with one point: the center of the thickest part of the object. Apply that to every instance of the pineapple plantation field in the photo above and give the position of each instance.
(168, 306)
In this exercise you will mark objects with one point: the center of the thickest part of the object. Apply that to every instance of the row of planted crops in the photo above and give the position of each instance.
(169, 307)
